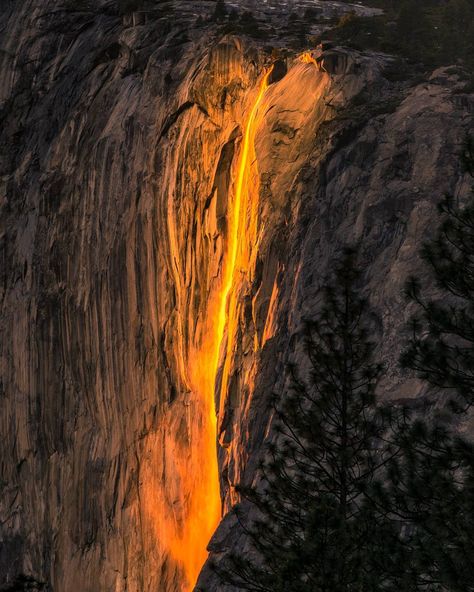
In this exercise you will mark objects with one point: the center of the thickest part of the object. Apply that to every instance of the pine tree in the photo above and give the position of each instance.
(430, 481)
(316, 529)
(428, 494)
(412, 24)
(456, 31)
(441, 349)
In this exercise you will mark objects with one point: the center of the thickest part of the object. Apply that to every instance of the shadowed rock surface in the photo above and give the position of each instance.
(119, 143)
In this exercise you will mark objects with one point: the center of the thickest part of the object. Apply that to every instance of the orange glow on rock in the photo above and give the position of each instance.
(242, 236)
(270, 323)
(307, 58)
(183, 502)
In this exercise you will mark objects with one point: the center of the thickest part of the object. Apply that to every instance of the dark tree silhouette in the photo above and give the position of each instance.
(441, 349)
(354, 496)
(430, 482)
(220, 11)
(316, 529)
(429, 491)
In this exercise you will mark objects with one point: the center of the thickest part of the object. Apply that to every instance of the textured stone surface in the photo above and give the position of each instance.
(118, 135)
(373, 173)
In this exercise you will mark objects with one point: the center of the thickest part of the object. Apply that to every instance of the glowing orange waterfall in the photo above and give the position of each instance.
(242, 234)
(190, 479)
(204, 363)
(307, 58)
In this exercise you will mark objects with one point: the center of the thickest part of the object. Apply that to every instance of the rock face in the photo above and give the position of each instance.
(122, 144)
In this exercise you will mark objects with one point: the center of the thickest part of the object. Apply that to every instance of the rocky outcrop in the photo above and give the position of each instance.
(122, 141)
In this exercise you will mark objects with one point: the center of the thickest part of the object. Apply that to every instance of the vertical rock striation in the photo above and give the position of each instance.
(376, 159)
(121, 146)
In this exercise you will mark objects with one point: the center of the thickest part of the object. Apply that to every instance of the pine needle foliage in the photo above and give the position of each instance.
(430, 482)
(428, 490)
(441, 348)
(315, 527)
(355, 496)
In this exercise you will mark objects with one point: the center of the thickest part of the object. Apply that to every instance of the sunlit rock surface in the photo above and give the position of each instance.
(280, 8)
(120, 150)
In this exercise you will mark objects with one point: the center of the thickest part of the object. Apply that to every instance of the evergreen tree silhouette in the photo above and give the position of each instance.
(315, 528)
(427, 493)
(430, 482)
(441, 349)
(359, 497)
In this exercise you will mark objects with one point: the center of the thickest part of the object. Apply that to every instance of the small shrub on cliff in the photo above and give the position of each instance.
(220, 11)
(249, 24)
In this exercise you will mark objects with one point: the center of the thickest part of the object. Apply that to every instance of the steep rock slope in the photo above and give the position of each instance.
(373, 176)
(121, 144)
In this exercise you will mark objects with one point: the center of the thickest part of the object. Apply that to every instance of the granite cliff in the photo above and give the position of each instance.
(170, 200)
